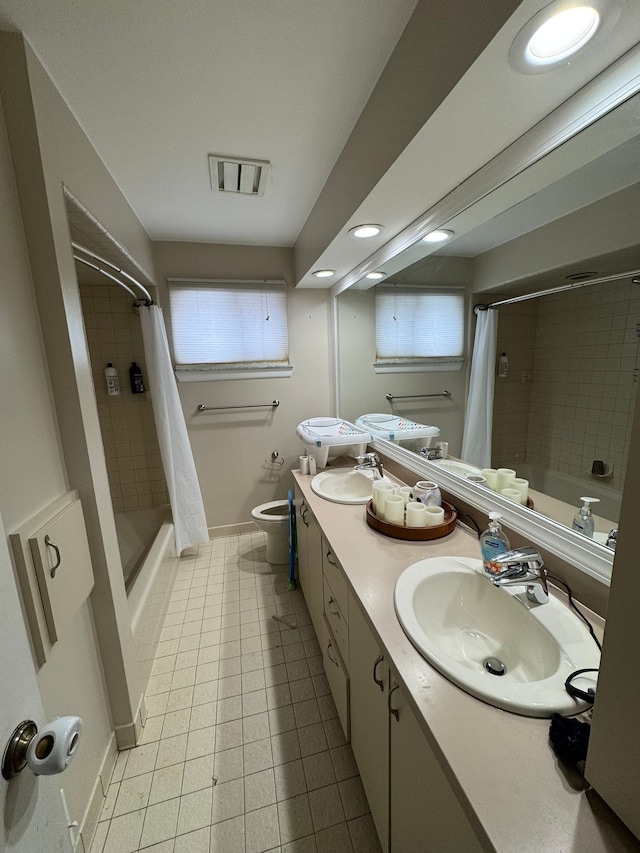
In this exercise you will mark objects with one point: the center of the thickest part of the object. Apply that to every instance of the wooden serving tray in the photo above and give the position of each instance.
(413, 534)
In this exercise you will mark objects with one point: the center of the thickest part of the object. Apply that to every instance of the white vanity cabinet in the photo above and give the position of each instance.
(412, 803)
(370, 683)
(309, 540)
(335, 645)
(424, 812)
(326, 598)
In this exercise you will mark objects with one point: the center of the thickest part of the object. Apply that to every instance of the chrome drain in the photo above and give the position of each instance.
(495, 666)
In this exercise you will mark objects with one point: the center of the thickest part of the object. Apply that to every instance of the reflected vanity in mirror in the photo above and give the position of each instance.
(562, 413)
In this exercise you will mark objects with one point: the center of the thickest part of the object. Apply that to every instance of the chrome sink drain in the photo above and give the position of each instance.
(495, 666)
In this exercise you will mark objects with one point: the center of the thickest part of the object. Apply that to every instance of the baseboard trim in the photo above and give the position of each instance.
(91, 817)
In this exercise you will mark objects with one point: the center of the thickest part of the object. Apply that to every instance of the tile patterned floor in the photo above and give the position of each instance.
(242, 751)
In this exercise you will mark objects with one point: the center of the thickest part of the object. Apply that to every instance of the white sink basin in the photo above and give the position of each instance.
(457, 619)
(344, 486)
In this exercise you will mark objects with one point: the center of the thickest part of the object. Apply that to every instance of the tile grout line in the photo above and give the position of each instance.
(240, 663)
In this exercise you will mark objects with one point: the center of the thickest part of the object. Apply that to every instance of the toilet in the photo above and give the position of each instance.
(273, 518)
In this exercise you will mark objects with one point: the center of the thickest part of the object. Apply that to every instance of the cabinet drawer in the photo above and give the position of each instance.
(337, 677)
(334, 574)
(336, 621)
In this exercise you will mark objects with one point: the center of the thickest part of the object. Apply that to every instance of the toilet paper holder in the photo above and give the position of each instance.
(46, 753)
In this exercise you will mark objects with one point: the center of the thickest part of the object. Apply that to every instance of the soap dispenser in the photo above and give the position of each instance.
(493, 543)
(583, 520)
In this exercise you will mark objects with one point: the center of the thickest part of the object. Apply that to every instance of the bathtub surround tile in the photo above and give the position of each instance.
(243, 751)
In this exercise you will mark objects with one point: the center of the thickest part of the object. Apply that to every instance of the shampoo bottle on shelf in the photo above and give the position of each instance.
(113, 383)
(583, 520)
(493, 542)
(503, 366)
(135, 378)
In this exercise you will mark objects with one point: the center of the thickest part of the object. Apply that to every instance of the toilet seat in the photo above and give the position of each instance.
(271, 511)
(273, 518)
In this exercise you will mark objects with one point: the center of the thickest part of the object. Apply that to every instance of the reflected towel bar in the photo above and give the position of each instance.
(273, 405)
(391, 398)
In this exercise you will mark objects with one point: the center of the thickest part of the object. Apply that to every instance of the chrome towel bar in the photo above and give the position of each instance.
(391, 398)
(273, 405)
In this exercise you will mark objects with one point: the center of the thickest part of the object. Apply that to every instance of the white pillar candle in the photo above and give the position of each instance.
(511, 494)
(505, 476)
(435, 516)
(380, 490)
(394, 509)
(523, 487)
(405, 493)
(416, 514)
(491, 476)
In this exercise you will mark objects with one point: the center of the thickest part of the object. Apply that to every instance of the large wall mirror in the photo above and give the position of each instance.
(567, 401)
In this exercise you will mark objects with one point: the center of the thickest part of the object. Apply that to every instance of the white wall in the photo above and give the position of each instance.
(230, 447)
(32, 474)
(49, 429)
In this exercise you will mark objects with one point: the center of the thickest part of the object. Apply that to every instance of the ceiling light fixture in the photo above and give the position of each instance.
(363, 232)
(562, 35)
(375, 276)
(324, 273)
(558, 31)
(440, 235)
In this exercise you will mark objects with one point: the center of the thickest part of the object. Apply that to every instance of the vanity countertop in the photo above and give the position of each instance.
(500, 764)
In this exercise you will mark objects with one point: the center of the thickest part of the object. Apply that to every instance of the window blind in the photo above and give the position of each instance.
(229, 323)
(413, 324)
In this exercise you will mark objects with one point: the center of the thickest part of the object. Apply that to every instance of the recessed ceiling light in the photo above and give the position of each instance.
(375, 275)
(441, 235)
(365, 231)
(324, 273)
(558, 31)
(562, 35)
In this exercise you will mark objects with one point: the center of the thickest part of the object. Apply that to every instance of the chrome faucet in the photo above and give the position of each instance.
(431, 452)
(612, 539)
(522, 567)
(370, 462)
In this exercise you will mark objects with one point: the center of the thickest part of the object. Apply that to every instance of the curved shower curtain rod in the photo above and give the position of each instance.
(147, 296)
(601, 280)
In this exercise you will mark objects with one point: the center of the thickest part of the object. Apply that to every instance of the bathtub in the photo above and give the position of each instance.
(146, 543)
(569, 489)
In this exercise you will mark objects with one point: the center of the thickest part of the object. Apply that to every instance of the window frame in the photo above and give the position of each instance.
(207, 371)
(422, 364)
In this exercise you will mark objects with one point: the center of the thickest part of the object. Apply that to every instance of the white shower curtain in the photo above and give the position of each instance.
(476, 444)
(177, 459)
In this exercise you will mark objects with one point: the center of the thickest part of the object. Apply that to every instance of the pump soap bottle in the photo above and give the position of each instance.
(493, 543)
(583, 520)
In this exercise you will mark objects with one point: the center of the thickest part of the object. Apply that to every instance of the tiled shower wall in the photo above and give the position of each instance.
(136, 477)
(585, 353)
(516, 337)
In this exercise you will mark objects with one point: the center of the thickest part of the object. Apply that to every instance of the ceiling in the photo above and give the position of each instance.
(158, 87)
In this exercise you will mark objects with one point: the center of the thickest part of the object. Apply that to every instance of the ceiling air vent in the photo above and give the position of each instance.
(236, 175)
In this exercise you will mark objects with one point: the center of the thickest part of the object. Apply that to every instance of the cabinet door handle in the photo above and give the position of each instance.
(333, 612)
(377, 680)
(329, 560)
(333, 660)
(50, 544)
(303, 512)
(393, 711)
